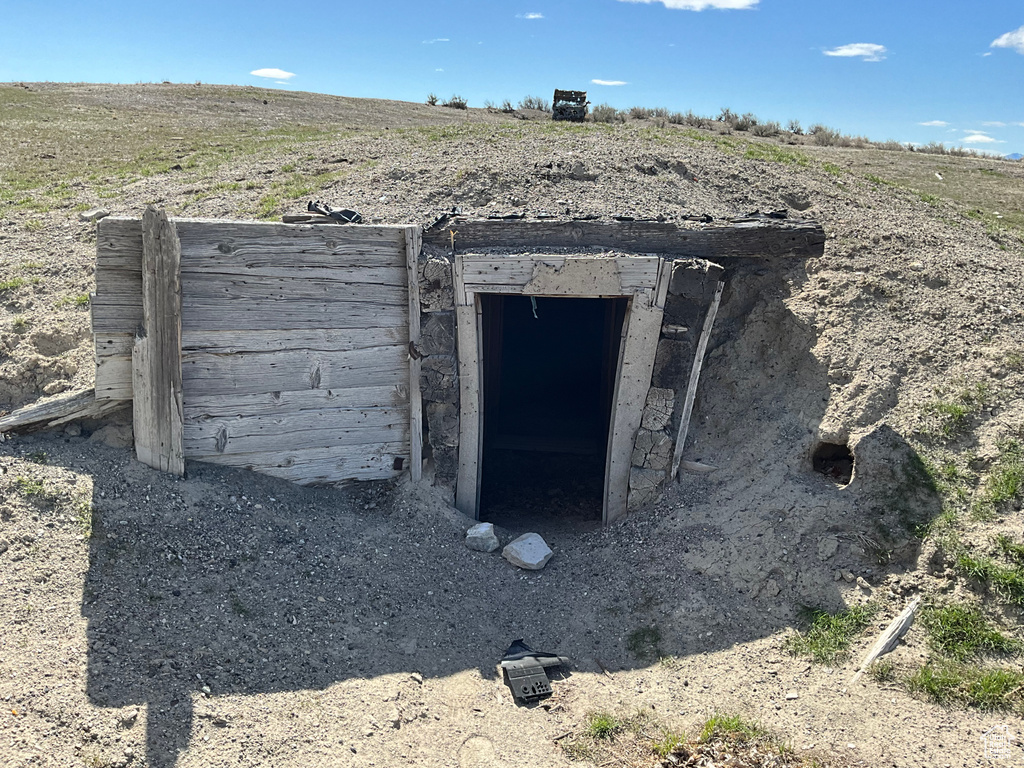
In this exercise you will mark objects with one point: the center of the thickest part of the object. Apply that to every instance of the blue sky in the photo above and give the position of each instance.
(909, 70)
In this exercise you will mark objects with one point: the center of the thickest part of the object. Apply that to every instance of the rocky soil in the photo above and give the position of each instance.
(231, 619)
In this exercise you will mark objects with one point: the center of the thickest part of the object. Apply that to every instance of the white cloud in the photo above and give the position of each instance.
(981, 138)
(700, 5)
(530, 16)
(439, 70)
(935, 123)
(994, 124)
(867, 51)
(437, 40)
(273, 74)
(609, 82)
(1013, 40)
(1019, 125)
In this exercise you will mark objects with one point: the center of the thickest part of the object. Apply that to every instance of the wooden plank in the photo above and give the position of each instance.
(156, 358)
(691, 387)
(114, 378)
(205, 373)
(322, 466)
(57, 410)
(119, 244)
(757, 239)
(295, 430)
(358, 274)
(235, 245)
(210, 315)
(124, 282)
(270, 403)
(636, 364)
(236, 291)
(510, 274)
(312, 340)
(110, 317)
(412, 254)
(467, 485)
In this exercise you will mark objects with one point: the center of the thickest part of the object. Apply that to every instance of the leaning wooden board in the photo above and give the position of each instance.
(294, 343)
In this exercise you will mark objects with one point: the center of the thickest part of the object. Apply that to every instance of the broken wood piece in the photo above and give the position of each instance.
(156, 356)
(412, 253)
(59, 410)
(691, 389)
(890, 638)
(696, 466)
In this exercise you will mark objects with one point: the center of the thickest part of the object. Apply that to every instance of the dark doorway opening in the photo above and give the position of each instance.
(549, 366)
(834, 461)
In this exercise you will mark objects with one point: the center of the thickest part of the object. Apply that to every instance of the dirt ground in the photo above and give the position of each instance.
(234, 620)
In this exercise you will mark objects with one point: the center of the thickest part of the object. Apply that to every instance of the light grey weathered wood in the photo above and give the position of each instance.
(322, 466)
(58, 410)
(691, 387)
(412, 253)
(466, 488)
(636, 363)
(156, 358)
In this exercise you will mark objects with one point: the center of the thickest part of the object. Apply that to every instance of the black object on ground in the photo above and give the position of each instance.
(343, 215)
(525, 671)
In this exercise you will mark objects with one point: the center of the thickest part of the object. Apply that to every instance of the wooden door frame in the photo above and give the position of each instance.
(641, 279)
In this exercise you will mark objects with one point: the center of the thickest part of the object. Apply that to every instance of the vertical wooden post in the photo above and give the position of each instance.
(691, 387)
(413, 239)
(636, 364)
(156, 356)
(467, 485)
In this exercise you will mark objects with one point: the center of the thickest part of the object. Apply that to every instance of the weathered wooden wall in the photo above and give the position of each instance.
(294, 343)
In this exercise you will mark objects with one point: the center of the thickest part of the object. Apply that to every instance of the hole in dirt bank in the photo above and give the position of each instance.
(834, 461)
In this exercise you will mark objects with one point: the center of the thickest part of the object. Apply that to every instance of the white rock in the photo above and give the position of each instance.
(482, 538)
(93, 214)
(529, 551)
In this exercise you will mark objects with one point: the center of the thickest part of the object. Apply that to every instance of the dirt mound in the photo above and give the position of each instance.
(261, 622)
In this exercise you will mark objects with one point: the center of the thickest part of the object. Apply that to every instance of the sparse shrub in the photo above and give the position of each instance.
(535, 102)
(691, 119)
(745, 122)
(793, 126)
(432, 99)
(728, 117)
(825, 136)
(488, 104)
(891, 145)
(455, 102)
(605, 113)
(506, 106)
(769, 129)
(640, 113)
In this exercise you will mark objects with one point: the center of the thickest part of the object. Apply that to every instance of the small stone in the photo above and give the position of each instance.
(529, 551)
(838, 576)
(848, 577)
(93, 214)
(827, 547)
(416, 677)
(73, 429)
(792, 695)
(481, 537)
(771, 588)
(863, 583)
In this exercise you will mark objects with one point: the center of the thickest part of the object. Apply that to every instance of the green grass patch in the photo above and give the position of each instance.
(833, 169)
(603, 725)
(1010, 549)
(12, 284)
(829, 635)
(1004, 484)
(776, 154)
(721, 725)
(930, 199)
(960, 632)
(29, 487)
(947, 414)
(1007, 582)
(986, 688)
(880, 181)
